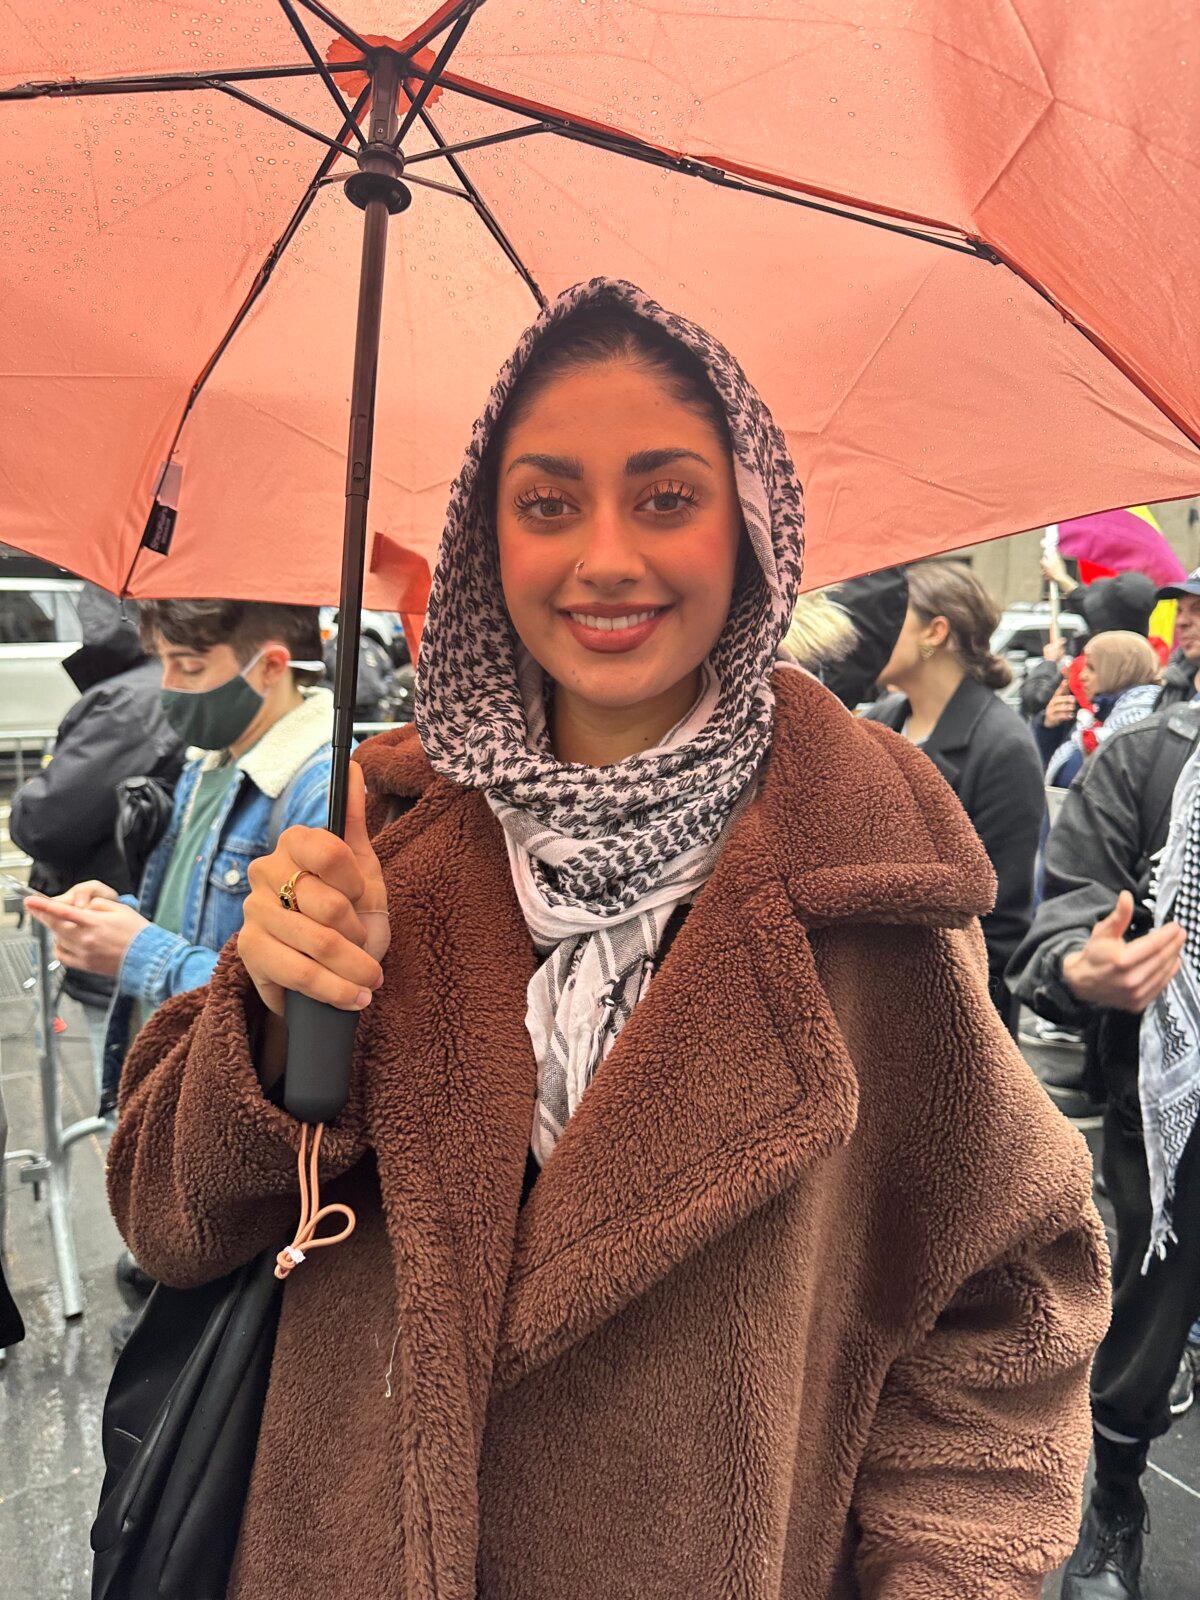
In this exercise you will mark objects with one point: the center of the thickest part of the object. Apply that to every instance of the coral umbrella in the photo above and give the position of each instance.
(956, 247)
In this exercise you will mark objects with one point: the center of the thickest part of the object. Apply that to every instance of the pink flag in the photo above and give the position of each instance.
(1123, 541)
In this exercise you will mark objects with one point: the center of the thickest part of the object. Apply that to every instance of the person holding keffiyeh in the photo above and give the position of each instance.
(713, 1239)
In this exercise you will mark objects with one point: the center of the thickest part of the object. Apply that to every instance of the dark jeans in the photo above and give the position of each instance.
(1140, 1354)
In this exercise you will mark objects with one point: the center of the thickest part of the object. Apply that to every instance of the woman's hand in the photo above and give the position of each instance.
(1063, 707)
(331, 946)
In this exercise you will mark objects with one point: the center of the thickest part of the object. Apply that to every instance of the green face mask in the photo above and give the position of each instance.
(213, 719)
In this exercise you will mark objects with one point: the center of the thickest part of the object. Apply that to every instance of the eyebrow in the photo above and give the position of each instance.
(556, 466)
(641, 462)
(655, 460)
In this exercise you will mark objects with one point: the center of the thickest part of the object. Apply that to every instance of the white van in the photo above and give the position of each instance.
(39, 628)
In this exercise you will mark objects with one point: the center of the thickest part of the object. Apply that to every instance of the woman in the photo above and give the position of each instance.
(712, 1238)
(1119, 676)
(945, 674)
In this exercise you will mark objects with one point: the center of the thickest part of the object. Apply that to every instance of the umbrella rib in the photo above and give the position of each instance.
(484, 142)
(434, 74)
(323, 14)
(314, 56)
(484, 211)
(282, 116)
(262, 278)
(441, 19)
(617, 142)
(161, 82)
(684, 165)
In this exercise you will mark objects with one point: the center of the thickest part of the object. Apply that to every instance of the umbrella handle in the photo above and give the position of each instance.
(319, 1047)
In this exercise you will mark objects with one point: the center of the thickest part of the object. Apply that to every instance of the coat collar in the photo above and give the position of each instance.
(731, 1077)
(955, 727)
(278, 756)
(957, 723)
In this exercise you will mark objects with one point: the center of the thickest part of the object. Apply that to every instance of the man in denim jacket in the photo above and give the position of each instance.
(258, 762)
(259, 759)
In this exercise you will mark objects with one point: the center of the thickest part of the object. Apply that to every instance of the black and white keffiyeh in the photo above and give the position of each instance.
(601, 856)
(1169, 1067)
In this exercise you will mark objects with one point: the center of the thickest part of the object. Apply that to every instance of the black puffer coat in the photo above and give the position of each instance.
(65, 816)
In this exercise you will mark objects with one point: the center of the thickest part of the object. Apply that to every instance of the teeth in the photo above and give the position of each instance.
(612, 624)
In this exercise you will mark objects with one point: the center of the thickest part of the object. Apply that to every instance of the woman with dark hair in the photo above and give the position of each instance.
(944, 675)
(712, 1237)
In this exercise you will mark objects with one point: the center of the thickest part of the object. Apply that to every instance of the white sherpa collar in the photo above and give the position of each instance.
(274, 761)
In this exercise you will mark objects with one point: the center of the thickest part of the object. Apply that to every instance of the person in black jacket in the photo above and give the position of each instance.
(1094, 960)
(65, 816)
(944, 673)
(1181, 679)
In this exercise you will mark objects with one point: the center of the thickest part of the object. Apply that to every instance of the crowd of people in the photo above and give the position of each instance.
(707, 1221)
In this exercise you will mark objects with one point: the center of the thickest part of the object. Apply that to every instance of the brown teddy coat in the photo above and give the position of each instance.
(801, 1308)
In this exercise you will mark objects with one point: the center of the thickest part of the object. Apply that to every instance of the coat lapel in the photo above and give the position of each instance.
(731, 1077)
(711, 1101)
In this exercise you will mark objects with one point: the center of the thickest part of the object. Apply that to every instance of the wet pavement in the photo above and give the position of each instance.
(52, 1386)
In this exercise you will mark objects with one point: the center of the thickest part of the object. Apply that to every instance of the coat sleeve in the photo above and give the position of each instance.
(1006, 811)
(1094, 850)
(202, 1172)
(62, 813)
(970, 1482)
(970, 1485)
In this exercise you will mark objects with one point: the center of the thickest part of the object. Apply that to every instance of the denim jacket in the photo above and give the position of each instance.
(281, 781)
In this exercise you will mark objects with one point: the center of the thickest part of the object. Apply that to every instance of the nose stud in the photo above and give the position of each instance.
(578, 568)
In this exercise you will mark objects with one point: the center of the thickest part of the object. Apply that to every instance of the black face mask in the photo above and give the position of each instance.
(213, 719)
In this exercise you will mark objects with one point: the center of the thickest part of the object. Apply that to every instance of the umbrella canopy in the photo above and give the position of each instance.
(956, 247)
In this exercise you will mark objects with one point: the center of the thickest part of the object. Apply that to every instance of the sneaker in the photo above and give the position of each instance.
(1187, 1380)
(1106, 1563)
(1044, 1032)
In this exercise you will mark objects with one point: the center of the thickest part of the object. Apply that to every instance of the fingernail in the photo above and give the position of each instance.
(362, 998)
(378, 984)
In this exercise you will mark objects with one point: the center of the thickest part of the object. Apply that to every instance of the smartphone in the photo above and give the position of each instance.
(13, 886)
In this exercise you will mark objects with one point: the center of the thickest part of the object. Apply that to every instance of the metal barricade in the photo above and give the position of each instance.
(31, 969)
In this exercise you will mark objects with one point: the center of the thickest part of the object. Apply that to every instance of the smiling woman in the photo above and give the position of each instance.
(713, 1238)
(610, 547)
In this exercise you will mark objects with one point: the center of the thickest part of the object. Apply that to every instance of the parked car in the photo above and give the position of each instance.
(39, 628)
(1022, 635)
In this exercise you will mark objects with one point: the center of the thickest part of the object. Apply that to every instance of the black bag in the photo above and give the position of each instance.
(143, 812)
(180, 1432)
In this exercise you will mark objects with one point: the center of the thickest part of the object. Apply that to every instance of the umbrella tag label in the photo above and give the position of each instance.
(160, 525)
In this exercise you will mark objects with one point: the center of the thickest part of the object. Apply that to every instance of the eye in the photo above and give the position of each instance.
(542, 505)
(668, 500)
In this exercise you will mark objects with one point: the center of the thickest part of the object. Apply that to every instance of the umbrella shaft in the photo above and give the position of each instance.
(358, 488)
(376, 214)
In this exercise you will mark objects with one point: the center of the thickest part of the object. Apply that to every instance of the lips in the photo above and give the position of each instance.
(610, 631)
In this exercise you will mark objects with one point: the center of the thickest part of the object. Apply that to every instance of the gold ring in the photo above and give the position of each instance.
(287, 895)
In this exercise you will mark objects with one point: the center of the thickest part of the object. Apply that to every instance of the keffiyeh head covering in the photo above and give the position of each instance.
(601, 856)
